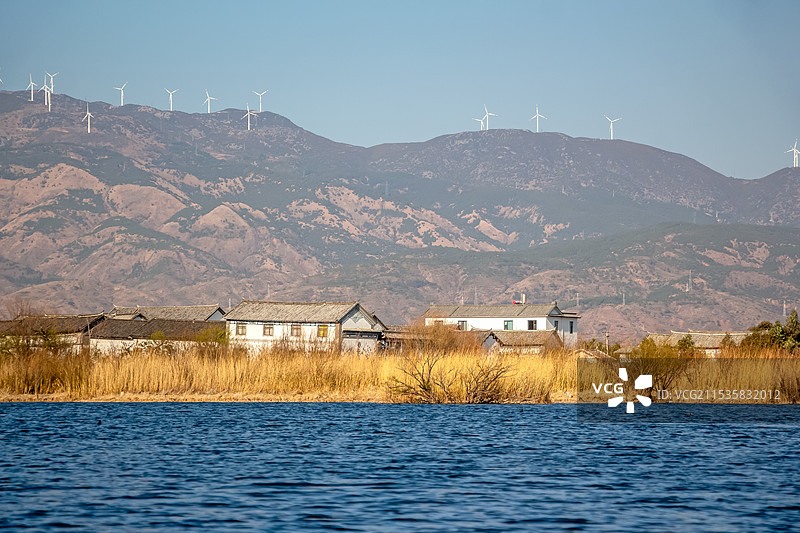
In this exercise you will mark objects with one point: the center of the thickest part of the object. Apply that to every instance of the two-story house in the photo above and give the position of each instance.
(508, 317)
(319, 325)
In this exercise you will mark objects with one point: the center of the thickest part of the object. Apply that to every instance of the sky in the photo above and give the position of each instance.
(717, 81)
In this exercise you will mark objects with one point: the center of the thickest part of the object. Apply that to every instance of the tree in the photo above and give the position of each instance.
(686, 345)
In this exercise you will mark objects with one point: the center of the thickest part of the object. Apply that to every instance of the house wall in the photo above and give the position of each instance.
(281, 334)
(123, 346)
(519, 324)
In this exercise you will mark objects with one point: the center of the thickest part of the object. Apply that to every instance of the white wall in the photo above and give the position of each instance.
(519, 324)
(281, 333)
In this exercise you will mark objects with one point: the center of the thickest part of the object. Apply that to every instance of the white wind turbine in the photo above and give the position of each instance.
(486, 116)
(248, 115)
(88, 117)
(611, 125)
(170, 96)
(537, 116)
(121, 94)
(795, 152)
(31, 85)
(1, 80)
(259, 99)
(208, 100)
(479, 120)
(46, 90)
(51, 81)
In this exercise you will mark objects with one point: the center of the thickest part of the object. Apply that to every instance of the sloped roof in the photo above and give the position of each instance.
(493, 311)
(700, 339)
(117, 328)
(317, 312)
(526, 338)
(174, 312)
(58, 324)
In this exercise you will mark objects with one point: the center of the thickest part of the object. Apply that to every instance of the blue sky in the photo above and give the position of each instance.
(715, 80)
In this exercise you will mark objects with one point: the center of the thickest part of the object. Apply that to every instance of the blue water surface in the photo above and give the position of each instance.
(368, 467)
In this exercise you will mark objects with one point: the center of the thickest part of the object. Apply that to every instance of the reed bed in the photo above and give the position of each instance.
(458, 376)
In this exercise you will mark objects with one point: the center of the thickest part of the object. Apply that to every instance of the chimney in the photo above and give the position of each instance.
(523, 298)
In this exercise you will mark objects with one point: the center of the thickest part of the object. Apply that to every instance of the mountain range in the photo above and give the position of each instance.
(156, 206)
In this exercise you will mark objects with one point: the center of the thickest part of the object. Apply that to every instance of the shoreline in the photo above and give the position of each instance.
(237, 397)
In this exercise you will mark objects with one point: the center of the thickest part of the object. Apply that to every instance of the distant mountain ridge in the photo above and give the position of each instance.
(157, 204)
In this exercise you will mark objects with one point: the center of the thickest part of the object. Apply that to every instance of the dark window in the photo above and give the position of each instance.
(508, 325)
(555, 322)
(531, 324)
(268, 331)
(462, 325)
(571, 324)
(295, 330)
(241, 329)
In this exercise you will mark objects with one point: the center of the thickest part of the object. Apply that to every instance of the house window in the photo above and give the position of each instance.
(571, 326)
(241, 329)
(295, 330)
(322, 330)
(508, 324)
(532, 324)
(438, 322)
(268, 330)
(555, 322)
(462, 325)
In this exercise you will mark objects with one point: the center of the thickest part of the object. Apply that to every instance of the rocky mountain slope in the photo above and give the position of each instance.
(156, 205)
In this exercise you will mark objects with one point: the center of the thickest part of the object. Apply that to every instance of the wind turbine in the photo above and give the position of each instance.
(259, 99)
(88, 117)
(486, 116)
(51, 81)
(479, 120)
(537, 116)
(795, 152)
(611, 125)
(1, 80)
(170, 96)
(31, 85)
(121, 94)
(248, 115)
(208, 100)
(46, 90)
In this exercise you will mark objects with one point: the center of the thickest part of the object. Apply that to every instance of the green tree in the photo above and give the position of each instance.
(686, 345)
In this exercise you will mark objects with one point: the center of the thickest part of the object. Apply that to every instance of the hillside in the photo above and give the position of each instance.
(156, 205)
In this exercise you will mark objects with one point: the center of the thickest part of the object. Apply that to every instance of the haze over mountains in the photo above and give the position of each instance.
(167, 207)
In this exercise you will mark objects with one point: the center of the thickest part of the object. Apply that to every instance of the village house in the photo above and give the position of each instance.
(508, 317)
(346, 326)
(70, 331)
(705, 343)
(523, 342)
(121, 336)
(208, 313)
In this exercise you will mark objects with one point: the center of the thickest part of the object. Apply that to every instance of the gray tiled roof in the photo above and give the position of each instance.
(144, 329)
(318, 312)
(175, 312)
(526, 338)
(58, 324)
(700, 339)
(491, 311)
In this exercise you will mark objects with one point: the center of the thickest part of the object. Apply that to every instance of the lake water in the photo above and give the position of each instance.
(367, 467)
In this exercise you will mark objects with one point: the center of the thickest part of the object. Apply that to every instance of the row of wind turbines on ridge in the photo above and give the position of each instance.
(484, 121)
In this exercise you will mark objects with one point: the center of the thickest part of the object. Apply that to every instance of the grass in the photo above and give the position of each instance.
(457, 374)
(467, 376)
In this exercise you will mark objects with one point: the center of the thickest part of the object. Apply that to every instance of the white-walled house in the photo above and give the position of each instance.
(508, 317)
(338, 325)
